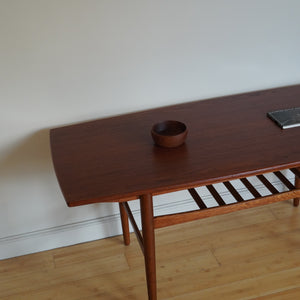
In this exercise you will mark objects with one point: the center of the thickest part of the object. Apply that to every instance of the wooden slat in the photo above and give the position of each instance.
(250, 187)
(296, 172)
(134, 225)
(167, 220)
(233, 191)
(284, 180)
(197, 198)
(267, 184)
(216, 195)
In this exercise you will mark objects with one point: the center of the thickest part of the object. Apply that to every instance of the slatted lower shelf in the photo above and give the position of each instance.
(293, 191)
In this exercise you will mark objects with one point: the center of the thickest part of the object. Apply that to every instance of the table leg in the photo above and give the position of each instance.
(297, 185)
(149, 243)
(125, 224)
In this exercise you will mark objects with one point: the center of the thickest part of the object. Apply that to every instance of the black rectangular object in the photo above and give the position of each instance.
(286, 118)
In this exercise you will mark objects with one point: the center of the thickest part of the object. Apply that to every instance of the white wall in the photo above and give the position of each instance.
(64, 61)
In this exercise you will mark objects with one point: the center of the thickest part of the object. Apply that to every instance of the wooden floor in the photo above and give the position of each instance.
(251, 254)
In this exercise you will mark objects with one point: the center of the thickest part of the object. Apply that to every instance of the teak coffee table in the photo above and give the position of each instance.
(115, 160)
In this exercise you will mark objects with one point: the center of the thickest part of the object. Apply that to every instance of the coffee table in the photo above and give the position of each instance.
(114, 160)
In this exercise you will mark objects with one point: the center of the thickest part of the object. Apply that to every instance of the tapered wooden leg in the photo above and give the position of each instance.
(297, 185)
(125, 224)
(149, 244)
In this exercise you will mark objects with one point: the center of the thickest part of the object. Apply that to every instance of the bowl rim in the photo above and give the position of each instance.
(182, 126)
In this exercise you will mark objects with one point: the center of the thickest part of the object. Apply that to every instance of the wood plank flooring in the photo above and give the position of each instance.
(251, 254)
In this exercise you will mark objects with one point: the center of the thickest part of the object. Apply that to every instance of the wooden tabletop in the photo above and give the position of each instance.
(114, 159)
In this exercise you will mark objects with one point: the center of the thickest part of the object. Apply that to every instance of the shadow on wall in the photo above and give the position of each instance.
(24, 166)
(31, 155)
(27, 179)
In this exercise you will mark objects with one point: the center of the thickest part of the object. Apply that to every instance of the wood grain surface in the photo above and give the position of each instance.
(250, 254)
(114, 159)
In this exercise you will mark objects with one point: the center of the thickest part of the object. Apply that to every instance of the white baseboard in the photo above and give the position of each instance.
(89, 230)
(59, 236)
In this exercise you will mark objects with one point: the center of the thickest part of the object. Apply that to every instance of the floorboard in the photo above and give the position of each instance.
(251, 254)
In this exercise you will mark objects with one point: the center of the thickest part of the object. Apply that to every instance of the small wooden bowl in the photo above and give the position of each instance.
(169, 134)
